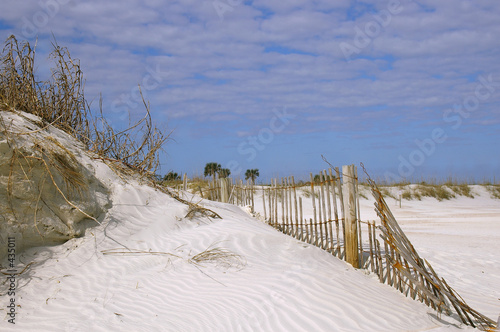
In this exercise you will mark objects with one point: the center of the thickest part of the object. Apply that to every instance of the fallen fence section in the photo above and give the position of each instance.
(414, 276)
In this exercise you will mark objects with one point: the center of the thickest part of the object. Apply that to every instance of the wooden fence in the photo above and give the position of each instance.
(224, 190)
(335, 226)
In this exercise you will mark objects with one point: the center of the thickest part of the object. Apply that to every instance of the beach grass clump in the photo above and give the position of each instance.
(462, 190)
(494, 190)
(433, 190)
(198, 182)
(408, 195)
(386, 192)
(443, 191)
(218, 256)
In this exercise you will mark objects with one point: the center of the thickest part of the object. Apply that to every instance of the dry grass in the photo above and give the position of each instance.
(61, 161)
(196, 210)
(137, 147)
(220, 257)
(436, 191)
(60, 102)
(48, 162)
(494, 190)
(136, 252)
(407, 194)
(462, 190)
(444, 191)
(197, 183)
(410, 194)
(386, 193)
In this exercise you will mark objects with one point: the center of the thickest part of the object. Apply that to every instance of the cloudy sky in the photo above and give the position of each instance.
(409, 88)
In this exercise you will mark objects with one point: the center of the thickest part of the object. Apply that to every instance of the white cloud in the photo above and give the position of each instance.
(422, 59)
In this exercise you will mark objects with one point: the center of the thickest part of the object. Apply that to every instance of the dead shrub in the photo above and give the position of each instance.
(60, 102)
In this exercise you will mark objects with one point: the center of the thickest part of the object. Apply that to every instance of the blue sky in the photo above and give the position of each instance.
(409, 88)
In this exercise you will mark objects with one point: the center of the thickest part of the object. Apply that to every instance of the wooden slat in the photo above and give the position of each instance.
(372, 266)
(295, 204)
(351, 222)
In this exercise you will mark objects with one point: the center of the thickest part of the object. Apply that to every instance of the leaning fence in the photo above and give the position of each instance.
(335, 226)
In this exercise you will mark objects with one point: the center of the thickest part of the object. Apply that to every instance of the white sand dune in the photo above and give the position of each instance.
(277, 283)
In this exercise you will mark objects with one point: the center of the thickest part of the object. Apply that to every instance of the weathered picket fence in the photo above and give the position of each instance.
(224, 190)
(335, 226)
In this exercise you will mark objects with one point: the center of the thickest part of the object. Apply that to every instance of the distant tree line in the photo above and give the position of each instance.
(171, 176)
(214, 170)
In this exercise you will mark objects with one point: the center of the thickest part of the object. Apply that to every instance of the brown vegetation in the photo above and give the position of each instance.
(60, 102)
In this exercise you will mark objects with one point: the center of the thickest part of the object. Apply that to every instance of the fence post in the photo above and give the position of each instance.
(351, 222)
(275, 203)
(314, 207)
(264, 202)
(358, 217)
(224, 190)
(296, 207)
(270, 202)
(251, 195)
(341, 198)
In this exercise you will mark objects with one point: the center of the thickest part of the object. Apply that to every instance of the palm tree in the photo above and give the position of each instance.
(252, 174)
(224, 173)
(211, 169)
